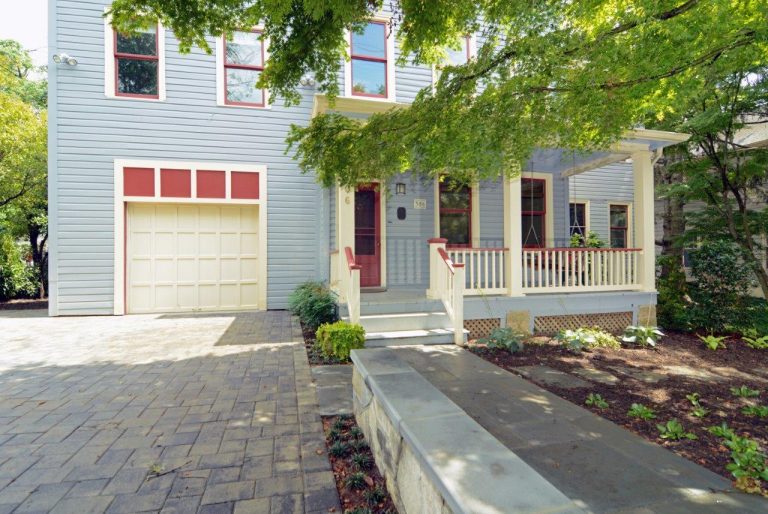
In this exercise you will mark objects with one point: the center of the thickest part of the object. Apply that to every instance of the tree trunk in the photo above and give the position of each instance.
(39, 255)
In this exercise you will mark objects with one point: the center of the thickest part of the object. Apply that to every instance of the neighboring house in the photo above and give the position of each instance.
(170, 192)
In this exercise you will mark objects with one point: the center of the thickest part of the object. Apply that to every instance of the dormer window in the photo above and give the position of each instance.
(243, 65)
(137, 64)
(370, 61)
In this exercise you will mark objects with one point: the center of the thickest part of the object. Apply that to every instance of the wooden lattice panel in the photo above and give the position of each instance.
(613, 322)
(481, 327)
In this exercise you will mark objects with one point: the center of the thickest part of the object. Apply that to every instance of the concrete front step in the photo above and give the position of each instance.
(374, 306)
(404, 321)
(410, 337)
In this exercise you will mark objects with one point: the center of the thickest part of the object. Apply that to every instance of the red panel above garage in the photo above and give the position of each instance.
(138, 181)
(211, 184)
(175, 183)
(245, 185)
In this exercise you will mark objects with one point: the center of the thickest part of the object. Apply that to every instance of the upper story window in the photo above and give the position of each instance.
(455, 210)
(243, 65)
(369, 74)
(534, 212)
(619, 223)
(460, 56)
(137, 63)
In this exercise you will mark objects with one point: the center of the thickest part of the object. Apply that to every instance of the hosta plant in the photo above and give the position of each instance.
(757, 343)
(640, 411)
(642, 336)
(595, 400)
(760, 411)
(744, 392)
(586, 338)
(503, 339)
(714, 342)
(698, 410)
(674, 431)
(749, 463)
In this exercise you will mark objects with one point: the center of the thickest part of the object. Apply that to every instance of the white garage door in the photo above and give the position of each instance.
(192, 257)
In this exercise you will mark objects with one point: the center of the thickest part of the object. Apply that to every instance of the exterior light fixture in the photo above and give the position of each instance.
(400, 188)
(64, 59)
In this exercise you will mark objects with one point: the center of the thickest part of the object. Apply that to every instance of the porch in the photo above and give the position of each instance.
(504, 239)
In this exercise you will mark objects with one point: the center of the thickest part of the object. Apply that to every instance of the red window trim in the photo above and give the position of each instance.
(137, 57)
(260, 68)
(448, 210)
(625, 229)
(363, 57)
(543, 213)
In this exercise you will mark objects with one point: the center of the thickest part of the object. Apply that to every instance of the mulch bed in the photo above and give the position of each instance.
(666, 397)
(371, 495)
(316, 358)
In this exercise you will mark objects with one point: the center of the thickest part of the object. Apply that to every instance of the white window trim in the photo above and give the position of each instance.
(549, 218)
(220, 92)
(109, 65)
(587, 224)
(472, 54)
(120, 202)
(630, 223)
(474, 213)
(390, 49)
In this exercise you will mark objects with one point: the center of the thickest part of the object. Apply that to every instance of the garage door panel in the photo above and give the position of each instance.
(192, 257)
(249, 244)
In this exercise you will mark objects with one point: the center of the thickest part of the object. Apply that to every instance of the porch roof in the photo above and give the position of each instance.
(554, 160)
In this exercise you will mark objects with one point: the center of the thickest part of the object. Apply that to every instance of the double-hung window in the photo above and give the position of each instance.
(534, 212)
(137, 64)
(460, 56)
(578, 219)
(243, 65)
(619, 223)
(455, 204)
(369, 61)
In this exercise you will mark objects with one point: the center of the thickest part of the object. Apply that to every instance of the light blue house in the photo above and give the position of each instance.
(170, 191)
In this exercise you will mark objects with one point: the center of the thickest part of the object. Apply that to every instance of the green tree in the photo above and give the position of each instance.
(564, 73)
(23, 166)
(728, 179)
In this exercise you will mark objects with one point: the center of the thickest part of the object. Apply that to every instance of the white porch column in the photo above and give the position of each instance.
(513, 236)
(345, 234)
(644, 222)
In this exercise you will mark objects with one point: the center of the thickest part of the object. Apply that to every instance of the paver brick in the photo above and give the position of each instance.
(233, 491)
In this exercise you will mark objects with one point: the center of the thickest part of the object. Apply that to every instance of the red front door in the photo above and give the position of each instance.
(368, 234)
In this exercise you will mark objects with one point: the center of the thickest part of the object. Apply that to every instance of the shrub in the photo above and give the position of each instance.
(591, 240)
(314, 303)
(722, 280)
(587, 339)
(340, 338)
(673, 302)
(17, 279)
(642, 336)
(674, 430)
(503, 339)
(640, 411)
(713, 342)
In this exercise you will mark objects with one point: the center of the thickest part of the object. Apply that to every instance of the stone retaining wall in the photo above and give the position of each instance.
(433, 456)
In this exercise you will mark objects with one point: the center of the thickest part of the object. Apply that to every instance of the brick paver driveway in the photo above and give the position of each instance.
(171, 413)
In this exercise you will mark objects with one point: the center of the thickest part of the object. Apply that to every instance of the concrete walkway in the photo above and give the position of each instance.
(169, 413)
(602, 467)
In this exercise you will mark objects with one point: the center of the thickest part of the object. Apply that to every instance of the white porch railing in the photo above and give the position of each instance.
(580, 269)
(484, 269)
(446, 283)
(352, 286)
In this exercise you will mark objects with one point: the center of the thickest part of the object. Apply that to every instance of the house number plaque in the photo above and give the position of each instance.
(419, 203)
